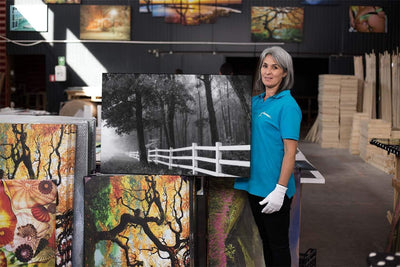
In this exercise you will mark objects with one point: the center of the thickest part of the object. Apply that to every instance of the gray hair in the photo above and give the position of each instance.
(284, 60)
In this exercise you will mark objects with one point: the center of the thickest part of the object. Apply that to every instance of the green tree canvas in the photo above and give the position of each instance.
(137, 220)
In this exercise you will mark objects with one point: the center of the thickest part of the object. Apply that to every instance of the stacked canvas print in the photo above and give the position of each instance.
(176, 124)
(37, 166)
(43, 162)
(138, 220)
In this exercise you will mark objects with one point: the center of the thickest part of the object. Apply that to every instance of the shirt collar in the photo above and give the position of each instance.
(281, 94)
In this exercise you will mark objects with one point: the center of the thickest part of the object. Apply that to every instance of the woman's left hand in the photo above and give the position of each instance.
(274, 200)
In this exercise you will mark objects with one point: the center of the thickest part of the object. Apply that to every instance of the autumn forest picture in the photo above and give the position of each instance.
(283, 24)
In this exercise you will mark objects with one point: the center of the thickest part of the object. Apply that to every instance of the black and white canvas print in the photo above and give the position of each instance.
(176, 124)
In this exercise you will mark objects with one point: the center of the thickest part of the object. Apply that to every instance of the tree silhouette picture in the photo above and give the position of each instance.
(137, 220)
(142, 112)
(277, 24)
(44, 153)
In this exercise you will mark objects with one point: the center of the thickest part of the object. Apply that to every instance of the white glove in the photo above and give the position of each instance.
(274, 199)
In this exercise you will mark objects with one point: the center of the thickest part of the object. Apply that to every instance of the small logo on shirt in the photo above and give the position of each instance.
(264, 113)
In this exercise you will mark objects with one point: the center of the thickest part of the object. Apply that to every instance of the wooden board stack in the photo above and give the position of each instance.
(369, 97)
(396, 90)
(328, 110)
(347, 108)
(337, 102)
(385, 87)
(395, 134)
(359, 73)
(376, 128)
(354, 146)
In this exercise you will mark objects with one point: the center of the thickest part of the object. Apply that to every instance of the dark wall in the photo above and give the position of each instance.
(325, 36)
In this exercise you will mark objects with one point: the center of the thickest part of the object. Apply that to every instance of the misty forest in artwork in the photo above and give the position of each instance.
(138, 220)
(190, 12)
(283, 24)
(37, 164)
(176, 124)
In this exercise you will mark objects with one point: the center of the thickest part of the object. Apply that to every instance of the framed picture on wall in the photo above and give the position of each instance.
(62, 1)
(367, 19)
(284, 24)
(101, 22)
(194, 12)
(28, 18)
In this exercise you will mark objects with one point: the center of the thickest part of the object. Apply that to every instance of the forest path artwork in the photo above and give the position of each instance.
(151, 122)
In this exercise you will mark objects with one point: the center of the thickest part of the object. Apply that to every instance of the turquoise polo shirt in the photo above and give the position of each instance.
(275, 119)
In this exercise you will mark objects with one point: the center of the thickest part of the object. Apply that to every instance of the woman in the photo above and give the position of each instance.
(276, 121)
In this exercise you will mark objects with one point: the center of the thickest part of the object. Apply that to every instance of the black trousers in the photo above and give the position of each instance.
(274, 231)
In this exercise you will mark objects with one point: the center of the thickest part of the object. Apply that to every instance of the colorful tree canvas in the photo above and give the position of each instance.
(193, 12)
(104, 22)
(27, 222)
(137, 220)
(283, 24)
(43, 152)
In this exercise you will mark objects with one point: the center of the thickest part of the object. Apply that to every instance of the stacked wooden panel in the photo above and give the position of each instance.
(347, 108)
(395, 134)
(396, 90)
(328, 110)
(359, 73)
(385, 87)
(354, 146)
(369, 97)
(375, 128)
(337, 102)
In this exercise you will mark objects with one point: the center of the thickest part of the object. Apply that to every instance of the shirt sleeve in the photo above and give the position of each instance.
(290, 122)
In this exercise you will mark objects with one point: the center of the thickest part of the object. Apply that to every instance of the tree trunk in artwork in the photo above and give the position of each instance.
(210, 108)
(238, 85)
(170, 120)
(140, 130)
(20, 135)
(200, 121)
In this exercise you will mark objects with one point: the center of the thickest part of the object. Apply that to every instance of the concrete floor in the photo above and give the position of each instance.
(345, 218)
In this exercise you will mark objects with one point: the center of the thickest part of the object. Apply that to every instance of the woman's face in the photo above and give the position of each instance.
(271, 73)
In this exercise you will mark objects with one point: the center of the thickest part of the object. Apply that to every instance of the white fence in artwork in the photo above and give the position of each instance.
(168, 157)
(133, 154)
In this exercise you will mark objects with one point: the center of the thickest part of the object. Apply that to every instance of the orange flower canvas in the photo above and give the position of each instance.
(28, 222)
